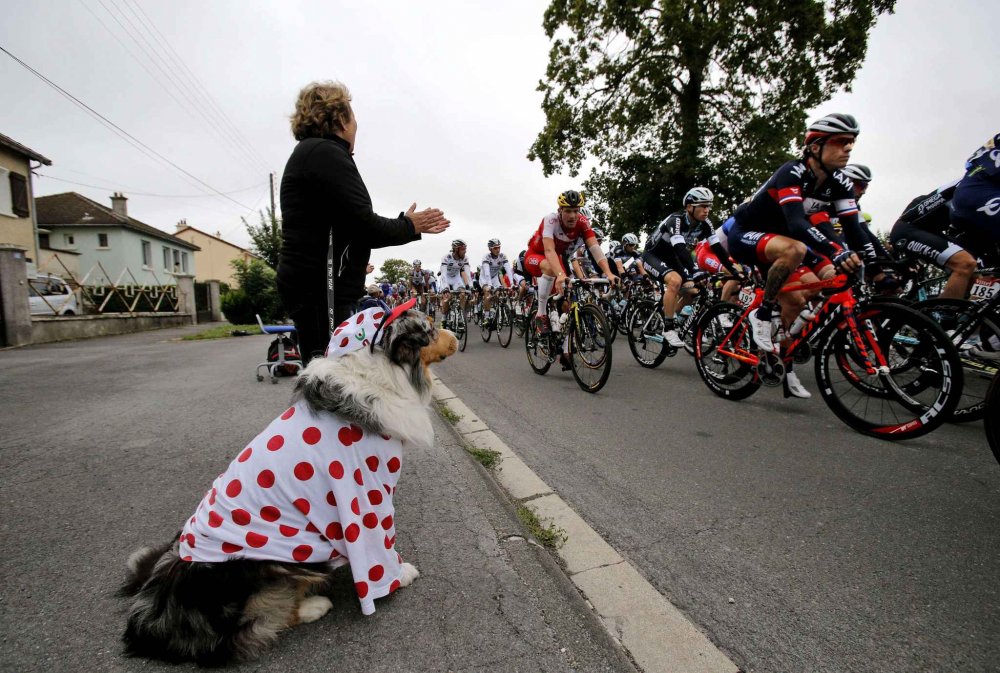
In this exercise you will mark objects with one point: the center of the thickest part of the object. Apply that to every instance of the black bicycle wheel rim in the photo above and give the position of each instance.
(909, 409)
(590, 349)
(505, 324)
(724, 375)
(645, 319)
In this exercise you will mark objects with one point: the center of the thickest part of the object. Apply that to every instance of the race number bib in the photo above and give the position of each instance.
(746, 296)
(985, 287)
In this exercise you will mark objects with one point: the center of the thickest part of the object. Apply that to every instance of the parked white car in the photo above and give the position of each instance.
(50, 295)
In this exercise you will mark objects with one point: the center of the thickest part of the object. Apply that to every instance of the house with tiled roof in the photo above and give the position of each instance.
(215, 255)
(111, 246)
(17, 211)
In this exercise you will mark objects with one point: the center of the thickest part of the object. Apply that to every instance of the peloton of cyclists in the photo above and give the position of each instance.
(454, 275)
(667, 256)
(420, 282)
(543, 259)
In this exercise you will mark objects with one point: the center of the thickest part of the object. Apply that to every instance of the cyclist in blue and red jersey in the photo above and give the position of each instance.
(773, 230)
(546, 249)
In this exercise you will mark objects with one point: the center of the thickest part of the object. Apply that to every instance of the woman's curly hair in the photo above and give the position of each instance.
(321, 110)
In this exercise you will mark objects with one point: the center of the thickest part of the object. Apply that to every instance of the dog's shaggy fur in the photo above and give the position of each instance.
(215, 613)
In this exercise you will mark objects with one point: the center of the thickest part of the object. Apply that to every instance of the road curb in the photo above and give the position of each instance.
(652, 630)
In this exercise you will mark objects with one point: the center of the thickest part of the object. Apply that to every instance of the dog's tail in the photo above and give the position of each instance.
(139, 568)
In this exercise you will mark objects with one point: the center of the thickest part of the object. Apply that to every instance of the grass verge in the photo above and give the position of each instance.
(447, 414)
(548, 536)
(222, 332)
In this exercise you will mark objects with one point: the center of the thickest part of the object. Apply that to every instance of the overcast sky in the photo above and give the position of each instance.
(445, 97)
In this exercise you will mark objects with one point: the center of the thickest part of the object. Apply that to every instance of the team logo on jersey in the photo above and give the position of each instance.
(991, 207)
(798, 170)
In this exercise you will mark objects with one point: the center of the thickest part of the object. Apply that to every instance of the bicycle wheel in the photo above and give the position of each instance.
(953, 315)
(461, 327)
(520, 321)
(610, 318)
(590, 348)
(645, 334)
(725, 375)
(505, 323)
(485, 325)
(992, 420)
(537, 347)
(912, 395)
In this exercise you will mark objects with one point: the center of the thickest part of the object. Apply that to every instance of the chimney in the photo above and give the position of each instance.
(118, 204)
(181, 224)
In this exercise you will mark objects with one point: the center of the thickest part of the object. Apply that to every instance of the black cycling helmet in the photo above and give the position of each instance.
(570, 199)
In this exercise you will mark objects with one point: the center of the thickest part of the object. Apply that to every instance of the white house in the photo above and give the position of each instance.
(129, 251)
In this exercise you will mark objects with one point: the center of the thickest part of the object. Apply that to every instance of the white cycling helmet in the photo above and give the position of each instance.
(599, 233)
(832, 125)
(457, 243)
(857, 172)
(493, 243)
(699, 196)
(630, 239)
(416, 262)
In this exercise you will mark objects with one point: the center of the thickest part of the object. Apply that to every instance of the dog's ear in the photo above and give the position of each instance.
(407, 335)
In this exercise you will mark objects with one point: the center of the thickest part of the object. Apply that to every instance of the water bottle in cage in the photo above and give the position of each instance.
(800, 321)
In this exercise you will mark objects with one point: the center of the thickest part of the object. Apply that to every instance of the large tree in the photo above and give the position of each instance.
(393, 270)
(666, 94)
(266, 237)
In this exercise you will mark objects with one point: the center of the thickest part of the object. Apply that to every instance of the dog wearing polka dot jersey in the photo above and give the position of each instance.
(312, 492)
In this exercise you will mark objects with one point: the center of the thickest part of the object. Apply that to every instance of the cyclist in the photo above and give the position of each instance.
(628, 259)
(581, 259)
(774, 231)
(454, 275)
(667, 257)
(420, 280)
(976, 204)
(494, 271)
(556, 233)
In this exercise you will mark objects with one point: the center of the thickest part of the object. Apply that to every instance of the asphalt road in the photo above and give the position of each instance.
(794, 542)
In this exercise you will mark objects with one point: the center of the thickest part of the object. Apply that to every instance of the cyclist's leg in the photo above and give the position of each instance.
(781, 255)
(910, 240)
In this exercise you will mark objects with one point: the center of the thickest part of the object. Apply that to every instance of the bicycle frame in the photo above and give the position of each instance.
(837, 308)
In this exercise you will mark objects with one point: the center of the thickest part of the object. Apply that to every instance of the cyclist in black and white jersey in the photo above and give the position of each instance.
(493, 270)
(627, 257)
(667, 257)
(455, 274)
(775, 230)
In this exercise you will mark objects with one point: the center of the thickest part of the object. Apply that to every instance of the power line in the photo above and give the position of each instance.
(171, 81)
(198, 85)
(133, 192)
(135, 142)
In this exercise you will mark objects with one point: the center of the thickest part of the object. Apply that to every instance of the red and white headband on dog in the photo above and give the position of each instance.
(362, 330)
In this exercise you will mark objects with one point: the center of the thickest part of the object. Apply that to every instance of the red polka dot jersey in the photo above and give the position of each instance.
(310, 488)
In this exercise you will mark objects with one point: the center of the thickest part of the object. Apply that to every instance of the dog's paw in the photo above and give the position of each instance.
(410, 573)
(314, 607)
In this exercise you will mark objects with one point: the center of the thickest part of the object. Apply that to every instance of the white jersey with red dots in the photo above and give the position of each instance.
(310, 488)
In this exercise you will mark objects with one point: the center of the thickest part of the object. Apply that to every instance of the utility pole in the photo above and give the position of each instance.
(270, 177)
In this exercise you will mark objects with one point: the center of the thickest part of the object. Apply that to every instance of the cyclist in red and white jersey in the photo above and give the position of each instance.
(544, 257)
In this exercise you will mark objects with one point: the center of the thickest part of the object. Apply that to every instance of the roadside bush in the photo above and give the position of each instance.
(257, 294)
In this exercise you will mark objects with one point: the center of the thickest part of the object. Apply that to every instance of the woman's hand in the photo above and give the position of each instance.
(428, 220)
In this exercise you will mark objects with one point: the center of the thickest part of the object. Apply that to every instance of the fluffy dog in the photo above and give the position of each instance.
(314, 491)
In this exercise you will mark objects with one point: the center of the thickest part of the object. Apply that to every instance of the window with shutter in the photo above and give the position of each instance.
(19, 194)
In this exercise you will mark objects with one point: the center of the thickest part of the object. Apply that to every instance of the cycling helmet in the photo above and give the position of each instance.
(832, 125)
(586, 212)
(457, 243)
(494, 243)
(599, 233)
(570, 199)
(613, 244)
(630, 239)
(416, 262)
(699, 196)
(857, 172)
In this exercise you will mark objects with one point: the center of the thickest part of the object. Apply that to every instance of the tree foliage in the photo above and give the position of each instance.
(393, 271)
(667, 94)
(266, 237)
